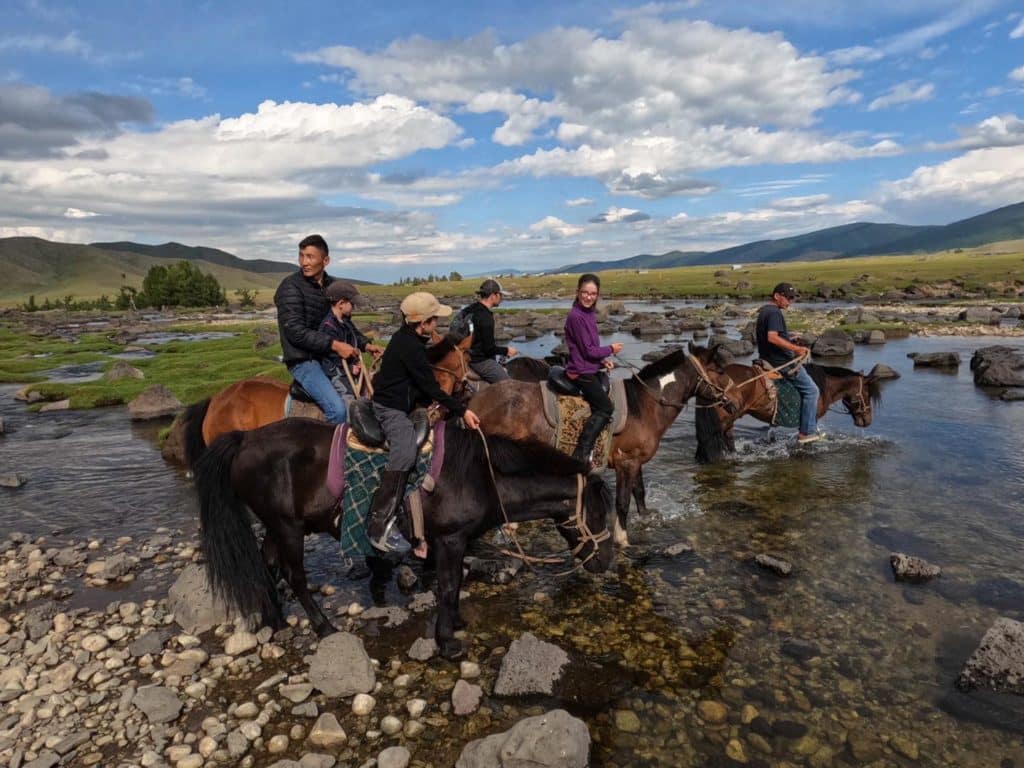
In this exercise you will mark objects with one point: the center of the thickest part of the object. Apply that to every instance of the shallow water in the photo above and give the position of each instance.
(939, 474)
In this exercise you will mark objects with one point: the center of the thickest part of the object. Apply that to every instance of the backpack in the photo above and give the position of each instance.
(462, 324)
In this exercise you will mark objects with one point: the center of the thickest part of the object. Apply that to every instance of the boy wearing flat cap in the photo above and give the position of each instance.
(778, 347)
(344, 297)
(404, 380)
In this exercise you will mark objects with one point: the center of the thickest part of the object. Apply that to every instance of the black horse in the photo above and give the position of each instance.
(279, 472)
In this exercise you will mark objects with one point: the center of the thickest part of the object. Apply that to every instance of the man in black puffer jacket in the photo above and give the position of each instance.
(301, 306)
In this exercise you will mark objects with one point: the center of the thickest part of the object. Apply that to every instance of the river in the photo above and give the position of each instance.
(820, 668)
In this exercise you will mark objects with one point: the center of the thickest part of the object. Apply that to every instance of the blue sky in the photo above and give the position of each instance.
(429, 137)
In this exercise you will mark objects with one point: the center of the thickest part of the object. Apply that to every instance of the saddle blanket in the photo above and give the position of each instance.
(787, 404)
(567, 413)
(353, 475)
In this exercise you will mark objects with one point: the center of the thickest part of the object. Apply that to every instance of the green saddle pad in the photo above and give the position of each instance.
(362, 476)
(788, 412)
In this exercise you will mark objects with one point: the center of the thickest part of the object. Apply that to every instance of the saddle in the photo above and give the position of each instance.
(297, 393)
(566, 413)
(300, 403)
(763, 366)
(560, 383)
(366, 429)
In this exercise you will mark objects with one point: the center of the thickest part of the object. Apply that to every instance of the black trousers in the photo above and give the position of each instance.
(593, 392)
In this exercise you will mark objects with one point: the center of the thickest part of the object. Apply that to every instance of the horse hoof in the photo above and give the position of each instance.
(452, 650)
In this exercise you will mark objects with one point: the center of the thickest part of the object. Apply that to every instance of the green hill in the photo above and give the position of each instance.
(845, 241)
(31, 265)
(179, 252)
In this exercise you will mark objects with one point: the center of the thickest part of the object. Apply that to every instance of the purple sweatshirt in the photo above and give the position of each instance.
(585, 350)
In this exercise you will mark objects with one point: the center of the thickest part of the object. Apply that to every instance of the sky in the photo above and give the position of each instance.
(425, 138)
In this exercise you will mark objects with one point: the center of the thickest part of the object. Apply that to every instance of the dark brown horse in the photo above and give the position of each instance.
(655, 396)
(251, 403)
(279, 473)
(749, 394)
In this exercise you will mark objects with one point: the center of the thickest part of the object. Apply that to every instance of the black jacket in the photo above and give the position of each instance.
(483, 347)
(301, 306)
(405, 377)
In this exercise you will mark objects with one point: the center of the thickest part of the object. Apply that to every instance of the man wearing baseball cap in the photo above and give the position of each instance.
(481, 318)
(404, 380)
(777, 346)
(344, 297)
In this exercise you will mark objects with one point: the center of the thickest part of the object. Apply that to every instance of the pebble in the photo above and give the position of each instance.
(192, 761)
(390, 725)
(363, 704)
(469, 670)
(734, 750)
(246, 711)
(713, 712)
(327, 732)
(415, 707)
(277, 744)
(627, 721)
(394, 757)
(239, 643)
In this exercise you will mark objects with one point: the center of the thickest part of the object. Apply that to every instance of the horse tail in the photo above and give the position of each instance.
(234, 565)
(193, 419)
(711, 442)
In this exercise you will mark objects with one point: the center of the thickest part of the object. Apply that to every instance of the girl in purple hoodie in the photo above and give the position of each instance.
(586, 359)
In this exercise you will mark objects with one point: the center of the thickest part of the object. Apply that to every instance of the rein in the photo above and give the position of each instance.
(578, 523)
(796, 361)
(702, 374)
(860, 402)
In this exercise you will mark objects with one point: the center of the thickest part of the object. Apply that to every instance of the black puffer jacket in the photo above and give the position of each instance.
(484, 347)
(301, 306)
(405, 377)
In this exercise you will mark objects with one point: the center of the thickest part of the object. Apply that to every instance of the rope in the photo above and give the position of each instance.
(702, 374)
(579, 523)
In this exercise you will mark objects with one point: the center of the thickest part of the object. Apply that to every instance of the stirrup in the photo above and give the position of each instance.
(391, 541)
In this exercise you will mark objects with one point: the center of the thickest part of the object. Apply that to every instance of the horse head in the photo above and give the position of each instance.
(712, 382)
(449, 358)
(586, 532)
(859, 396)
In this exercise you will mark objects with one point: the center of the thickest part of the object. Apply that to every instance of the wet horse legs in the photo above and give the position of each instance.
(449, 551)
(291, 545)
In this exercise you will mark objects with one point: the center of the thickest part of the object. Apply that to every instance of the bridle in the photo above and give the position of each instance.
(719, 393)
(861, 405)
(459, 377)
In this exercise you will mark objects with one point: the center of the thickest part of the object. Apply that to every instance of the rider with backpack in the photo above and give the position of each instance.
(479, 319)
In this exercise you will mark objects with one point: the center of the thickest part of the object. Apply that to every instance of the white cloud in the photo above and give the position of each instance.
(1018, 73)
(903, 93)
(856, 54)
(620, 215)
(576, 202)
(1018, 31)
(71, 44)
(554, 228)
(981, 178)
(996, 131)
(78, 213)
(799, 203)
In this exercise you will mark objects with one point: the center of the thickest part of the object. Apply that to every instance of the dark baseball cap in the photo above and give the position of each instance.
(785, 289)
(339, 290)
(489, 286)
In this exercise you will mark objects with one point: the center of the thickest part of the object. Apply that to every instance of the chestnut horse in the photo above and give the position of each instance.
(279, 473)
(655, 396)
(251, 403)
(749, 395)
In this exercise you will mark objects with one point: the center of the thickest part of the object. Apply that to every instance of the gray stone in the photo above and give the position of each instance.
(296, 693)
(774, 564)
(998, 661)
(423, 648)
(466, 698)
(327, 732)
(341, 666)
(998, 366)
(154, 402)
(394, 757)
(935, 359)
(1012, 395)
(736, 347)
(881, 371)
(159, 704)
(317, 760)
(982, 315)
(12, 480)
(392, 614)
(116, 566)
(45, 760)
(68, 557)
(151, 642)
(57, 405)
(192, 601)
(39, 620)
(555, 739)
(833, 343)
(68, 743)
(876, 337)
(908, 568)
(530, 666)
(123, 370)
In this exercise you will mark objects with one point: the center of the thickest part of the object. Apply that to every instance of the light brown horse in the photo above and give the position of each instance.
(655, 396)
(254, 402)
(749, 394)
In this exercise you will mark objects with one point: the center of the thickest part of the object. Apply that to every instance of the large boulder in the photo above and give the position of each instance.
(159, 704)
(998, 661)
(555, 739)
(833, 343)
(736, 347)
(998, 366)
(530, 666)
(983, 315)
(341, 666)
(193, 603)
(935, 359)
(123, 370)
(882, 371)
(154, 402)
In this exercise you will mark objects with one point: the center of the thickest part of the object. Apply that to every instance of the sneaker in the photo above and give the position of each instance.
(811, 438)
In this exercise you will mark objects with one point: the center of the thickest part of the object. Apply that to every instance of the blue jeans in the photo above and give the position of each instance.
(808, 390)
(313, 379)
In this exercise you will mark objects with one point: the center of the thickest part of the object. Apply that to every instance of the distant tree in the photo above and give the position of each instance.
(30, 305)
(453, 275)
(180, 285)
(46, 304)
(246, 297)
(103, 302)
(126, 297)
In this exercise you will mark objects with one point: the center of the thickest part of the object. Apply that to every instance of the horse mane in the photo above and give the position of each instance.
(659, 367)
(436, 352)
(464, 448)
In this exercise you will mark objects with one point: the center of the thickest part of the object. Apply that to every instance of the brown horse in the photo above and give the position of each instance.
(655, 396)
(251, 403)
(749, 394)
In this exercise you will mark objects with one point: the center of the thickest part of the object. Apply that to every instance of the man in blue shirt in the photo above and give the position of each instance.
(776, 346)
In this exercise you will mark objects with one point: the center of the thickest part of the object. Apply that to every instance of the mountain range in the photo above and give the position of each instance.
(847, 240)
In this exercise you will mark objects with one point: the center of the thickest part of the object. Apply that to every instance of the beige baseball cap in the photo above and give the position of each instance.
(421, 306)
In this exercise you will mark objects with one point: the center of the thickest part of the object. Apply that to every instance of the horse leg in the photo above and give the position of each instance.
(272, 558)
(730, 440)
(625, 477)
(295, 573)
(640, 492)
(450, 551)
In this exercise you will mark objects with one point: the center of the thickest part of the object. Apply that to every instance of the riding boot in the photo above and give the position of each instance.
(382, 521)
(588, 435)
